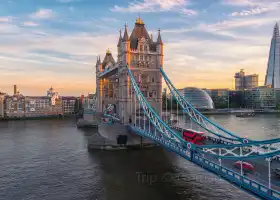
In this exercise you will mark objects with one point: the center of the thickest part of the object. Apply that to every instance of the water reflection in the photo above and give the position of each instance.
(49, 160)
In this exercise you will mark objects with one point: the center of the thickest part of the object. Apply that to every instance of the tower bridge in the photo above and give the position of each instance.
(129, 91)
(144, 58)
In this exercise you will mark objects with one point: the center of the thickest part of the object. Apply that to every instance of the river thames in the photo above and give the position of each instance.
(48, 159)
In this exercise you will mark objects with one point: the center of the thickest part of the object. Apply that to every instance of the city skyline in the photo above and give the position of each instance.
(55, 43)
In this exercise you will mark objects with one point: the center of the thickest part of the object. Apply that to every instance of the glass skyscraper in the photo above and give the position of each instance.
(273, 67)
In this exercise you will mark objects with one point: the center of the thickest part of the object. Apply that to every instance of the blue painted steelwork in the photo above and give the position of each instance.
(174, 142)
(181, 100)
(169, 144)
(89, 111)
(237, 178)
(197, 158)
(152, 115)
(111, 116)
(103, 73)
(193, 113)
(167, 131)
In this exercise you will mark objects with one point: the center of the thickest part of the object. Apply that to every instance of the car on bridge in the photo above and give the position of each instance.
(245, 165)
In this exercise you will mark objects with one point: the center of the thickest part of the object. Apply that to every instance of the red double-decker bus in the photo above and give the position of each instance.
(194, 136)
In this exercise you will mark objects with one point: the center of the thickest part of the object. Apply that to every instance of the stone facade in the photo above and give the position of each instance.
(41, 106)
(15, 105)
(68, 105)
(144, 57)
(260, 97)
(18, 105)
(2, 108)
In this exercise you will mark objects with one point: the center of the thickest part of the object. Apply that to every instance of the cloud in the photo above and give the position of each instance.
(7, 28)
(205, 59)
(254, 7)
(250, 12)
(31, 24)
(5, 19)
(152, 6)
(64, 55)
(45, 58)
(243, 2)
(42, 14)
(188, 12)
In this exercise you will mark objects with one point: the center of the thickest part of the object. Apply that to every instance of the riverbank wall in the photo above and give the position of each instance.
(219, 112)
(36, 117)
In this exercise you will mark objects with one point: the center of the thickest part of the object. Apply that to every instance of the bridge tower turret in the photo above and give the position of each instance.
(144, 57)
(160, 49)
(126, 47)
(160, 62)
(119, 46)
(98, 68)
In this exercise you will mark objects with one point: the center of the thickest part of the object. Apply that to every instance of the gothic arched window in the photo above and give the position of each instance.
(146, 48)
(144, 78)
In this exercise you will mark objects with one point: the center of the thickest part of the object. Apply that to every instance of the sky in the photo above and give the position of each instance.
(46, 43)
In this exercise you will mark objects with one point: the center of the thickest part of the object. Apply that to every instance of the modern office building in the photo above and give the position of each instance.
(261, 97)
(220, 97)
(197, 97)
(273, 67)
(237, 98)
(243, 82)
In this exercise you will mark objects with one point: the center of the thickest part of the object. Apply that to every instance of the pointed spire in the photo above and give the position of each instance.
(159, 41)
(98, 60)
(120, 38)
(125, 36)
(139, 21)
(108, 51)
(276, 30)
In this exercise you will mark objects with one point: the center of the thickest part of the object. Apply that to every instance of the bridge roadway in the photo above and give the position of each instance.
(259, 174)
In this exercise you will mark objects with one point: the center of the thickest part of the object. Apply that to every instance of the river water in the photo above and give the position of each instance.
(48, 160)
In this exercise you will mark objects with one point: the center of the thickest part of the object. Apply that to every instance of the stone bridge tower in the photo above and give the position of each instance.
(144, 57)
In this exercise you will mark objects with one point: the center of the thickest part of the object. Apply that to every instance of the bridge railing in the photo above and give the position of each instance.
(216, 168)
(237, 178)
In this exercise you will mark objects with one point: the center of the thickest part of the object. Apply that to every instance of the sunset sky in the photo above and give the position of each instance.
(47, 43)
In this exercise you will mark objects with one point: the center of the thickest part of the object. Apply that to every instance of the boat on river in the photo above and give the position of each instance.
(247, 114)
